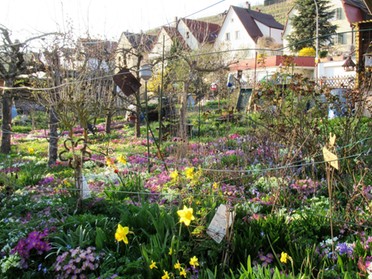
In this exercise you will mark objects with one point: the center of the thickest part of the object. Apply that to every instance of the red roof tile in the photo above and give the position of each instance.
(203, 31)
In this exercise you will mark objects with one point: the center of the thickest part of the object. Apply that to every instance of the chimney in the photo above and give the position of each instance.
(248, 5)
(175, 21)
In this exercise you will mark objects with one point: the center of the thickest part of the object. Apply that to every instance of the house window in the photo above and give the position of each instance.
(236, 35)
(187, 35)
(339, 13)
(340, 39)
(227, 36)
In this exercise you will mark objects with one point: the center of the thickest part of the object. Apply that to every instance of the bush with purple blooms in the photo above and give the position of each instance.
(35, 244)
(77, 263)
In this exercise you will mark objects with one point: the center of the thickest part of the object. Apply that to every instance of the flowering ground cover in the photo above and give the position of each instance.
(253, 199)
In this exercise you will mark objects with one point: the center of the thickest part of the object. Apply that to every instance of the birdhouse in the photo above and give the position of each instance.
(349, 65)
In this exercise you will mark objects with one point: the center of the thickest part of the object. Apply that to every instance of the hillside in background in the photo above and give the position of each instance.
(279, 10)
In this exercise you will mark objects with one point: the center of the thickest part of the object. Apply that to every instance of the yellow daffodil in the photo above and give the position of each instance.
(215, 185)
(186, 215)
(177, 265)
(166, 275)
(194, 261)
(183, 272)
(284, 257)
(189, 172)
(122, 159)
(174, 175)
(110, 162)
(195, 179)
(66, 182)
(30, 150)
(121, 234)
(153, 265)
(170, 251)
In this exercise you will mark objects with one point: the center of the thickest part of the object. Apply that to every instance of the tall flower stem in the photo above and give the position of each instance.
(179, 238)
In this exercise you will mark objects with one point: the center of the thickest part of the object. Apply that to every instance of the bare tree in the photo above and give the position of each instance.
(12, 64)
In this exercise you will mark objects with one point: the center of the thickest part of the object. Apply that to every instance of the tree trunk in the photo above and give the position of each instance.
(78, 180)
(108, 122)
(53, 119)
(7, 121)
(138, 114)
(53, 137)
(183, 113)
(110, 114)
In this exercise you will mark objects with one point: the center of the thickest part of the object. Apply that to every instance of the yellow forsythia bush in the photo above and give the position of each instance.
(307, 51)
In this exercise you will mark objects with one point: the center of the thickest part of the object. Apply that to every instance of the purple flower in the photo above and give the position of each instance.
(345, 249)
(266, 259)
(47, 180)
(35, 243)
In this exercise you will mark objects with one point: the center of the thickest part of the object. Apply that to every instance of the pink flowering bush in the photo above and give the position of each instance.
(77, 263)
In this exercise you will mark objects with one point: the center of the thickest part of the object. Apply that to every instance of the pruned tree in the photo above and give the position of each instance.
(99, 57)
(79, 87)
(190, 70)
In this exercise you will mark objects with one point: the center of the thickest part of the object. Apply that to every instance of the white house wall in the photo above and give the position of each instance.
(187, 35)
(343, 29)
(333, 69)
(231, 25)
(267, 31)
(288, 30)
(157, 50)
(131, 59)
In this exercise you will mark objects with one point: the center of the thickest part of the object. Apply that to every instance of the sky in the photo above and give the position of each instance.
(103, 19)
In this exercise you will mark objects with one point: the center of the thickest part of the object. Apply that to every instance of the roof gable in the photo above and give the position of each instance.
(202, 31)
(249, 17)
(172, 34)
(175, 35)
(355, 10)
(136, 40)
(133, 38)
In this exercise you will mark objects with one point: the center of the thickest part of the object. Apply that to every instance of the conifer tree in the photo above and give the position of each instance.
(304, 24)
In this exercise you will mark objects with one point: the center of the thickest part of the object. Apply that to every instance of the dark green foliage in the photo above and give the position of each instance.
(304, 24)
(31, 174)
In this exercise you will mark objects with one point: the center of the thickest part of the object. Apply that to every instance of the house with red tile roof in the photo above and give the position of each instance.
(166, 38)
(197, 34)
